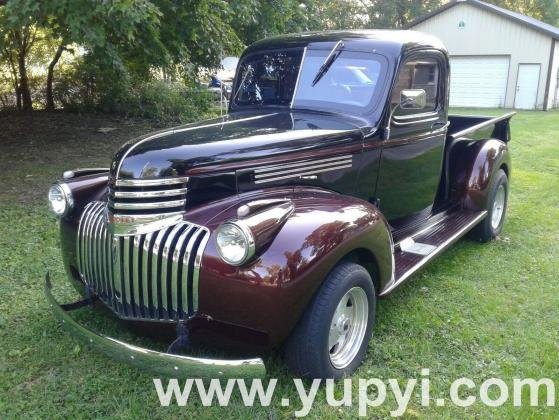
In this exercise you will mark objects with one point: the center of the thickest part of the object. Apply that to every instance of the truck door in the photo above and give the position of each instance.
(412, 156)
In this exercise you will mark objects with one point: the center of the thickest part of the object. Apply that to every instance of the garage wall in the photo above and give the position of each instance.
(486, 33)
(553, 100)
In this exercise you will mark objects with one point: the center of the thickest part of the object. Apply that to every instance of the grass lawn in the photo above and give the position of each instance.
(478, 311)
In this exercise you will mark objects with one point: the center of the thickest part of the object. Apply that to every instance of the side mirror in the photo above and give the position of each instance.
(413, 99)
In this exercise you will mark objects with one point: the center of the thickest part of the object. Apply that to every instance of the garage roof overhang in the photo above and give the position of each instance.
(524, 20)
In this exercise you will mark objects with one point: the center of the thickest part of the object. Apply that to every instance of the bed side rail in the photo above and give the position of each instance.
(497, 128)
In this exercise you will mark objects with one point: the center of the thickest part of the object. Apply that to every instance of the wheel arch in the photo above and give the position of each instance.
(367, 259)
(506, 169)
(324, 229)
(474, 164)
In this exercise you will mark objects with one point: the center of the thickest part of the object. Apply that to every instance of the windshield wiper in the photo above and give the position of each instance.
(249, 70)
(334, 54)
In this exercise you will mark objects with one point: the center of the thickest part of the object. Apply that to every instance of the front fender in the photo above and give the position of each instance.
(473, 165)
(270, 293)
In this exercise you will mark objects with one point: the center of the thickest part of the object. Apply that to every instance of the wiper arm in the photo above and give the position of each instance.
(248, 70)
(334, 54)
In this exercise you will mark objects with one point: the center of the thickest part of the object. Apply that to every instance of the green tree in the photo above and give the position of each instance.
(139, 37)
(100, 27)
(396, 13)
(197, 33)
(544, 10)
(19, 34)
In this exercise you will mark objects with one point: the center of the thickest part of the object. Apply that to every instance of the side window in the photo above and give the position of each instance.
(418, 74)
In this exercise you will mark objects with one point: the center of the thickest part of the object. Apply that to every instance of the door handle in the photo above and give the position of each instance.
(437, 124)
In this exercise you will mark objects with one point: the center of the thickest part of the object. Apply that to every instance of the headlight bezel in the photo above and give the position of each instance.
(248, 237)
(68, 198)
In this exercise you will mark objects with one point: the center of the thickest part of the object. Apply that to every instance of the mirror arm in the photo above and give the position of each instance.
(386, 131)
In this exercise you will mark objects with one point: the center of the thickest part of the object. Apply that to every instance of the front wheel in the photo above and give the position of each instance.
(331, 339)
(492, 225)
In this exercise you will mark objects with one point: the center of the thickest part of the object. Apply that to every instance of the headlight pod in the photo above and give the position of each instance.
(60, 199)
(235, 242)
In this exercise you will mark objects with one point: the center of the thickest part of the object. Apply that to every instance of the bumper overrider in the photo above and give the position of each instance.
(164, 364)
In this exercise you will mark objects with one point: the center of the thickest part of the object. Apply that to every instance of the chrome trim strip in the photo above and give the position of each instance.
(71, 173)
(150, 182)
(307, 168)
(97, 250)
(89, 248)
(147, 194)
(98, 276)
(80, 243)
(148, 217)
(167, 249)
(196, 272)
(163, 364)
(136, 279)
(127, 295)
(117, 280)
(424, 120)
(415, 116)
(187, 252)
(146, 255)
(138, 224)
(133, 224)
(147, 206)
(176, 266)
(155, 270)
(436, 252)
(106, 261)
(107, 241)
(85, 242)
(298, 163)
(302, 174)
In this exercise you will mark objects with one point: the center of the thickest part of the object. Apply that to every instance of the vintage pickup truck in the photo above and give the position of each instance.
(335, 176)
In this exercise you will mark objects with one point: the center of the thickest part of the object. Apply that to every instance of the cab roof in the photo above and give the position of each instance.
(391, 41)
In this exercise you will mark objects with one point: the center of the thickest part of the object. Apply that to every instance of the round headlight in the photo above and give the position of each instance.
(235, 243)
(60, 199)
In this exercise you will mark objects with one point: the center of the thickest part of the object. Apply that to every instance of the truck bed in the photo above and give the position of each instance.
(475, 127)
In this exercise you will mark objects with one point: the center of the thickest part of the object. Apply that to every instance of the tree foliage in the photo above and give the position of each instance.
(544, 10)
(116, 45)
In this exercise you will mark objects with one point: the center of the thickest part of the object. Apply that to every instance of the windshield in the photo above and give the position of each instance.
(353, 83)
(267, 78)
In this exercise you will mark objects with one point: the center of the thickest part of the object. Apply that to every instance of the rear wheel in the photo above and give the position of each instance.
(331, 339)
(492, 225)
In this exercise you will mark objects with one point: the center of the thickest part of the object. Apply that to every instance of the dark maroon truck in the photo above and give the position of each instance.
(334, 177)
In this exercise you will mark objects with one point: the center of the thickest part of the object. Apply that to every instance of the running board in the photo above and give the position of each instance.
(414, 252)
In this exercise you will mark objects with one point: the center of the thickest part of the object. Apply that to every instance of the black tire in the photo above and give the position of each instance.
(307, 351)
(486, 230)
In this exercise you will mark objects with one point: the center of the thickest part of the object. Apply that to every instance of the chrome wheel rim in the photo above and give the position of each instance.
(498, 207)
(348, 327)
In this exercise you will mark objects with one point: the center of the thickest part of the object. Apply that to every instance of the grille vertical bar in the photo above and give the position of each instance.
(151, 276)
(136, 277)
(146, 279)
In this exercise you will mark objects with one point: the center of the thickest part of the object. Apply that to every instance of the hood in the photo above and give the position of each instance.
(232, 138)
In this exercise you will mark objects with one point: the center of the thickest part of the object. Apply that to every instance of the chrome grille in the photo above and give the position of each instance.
(164, 195)
(150, 276)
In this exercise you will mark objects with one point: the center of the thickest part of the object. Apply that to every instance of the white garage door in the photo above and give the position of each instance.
(478, 81)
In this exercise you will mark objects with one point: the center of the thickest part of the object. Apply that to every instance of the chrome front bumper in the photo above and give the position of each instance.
(165, 364)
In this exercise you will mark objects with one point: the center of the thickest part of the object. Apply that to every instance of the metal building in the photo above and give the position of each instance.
(499, 58)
